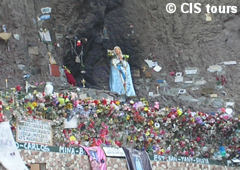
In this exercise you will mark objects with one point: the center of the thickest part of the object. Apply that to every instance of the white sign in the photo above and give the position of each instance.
(208, 17)
(114, 152)
(83, 96)
(9, 155)
(45, 36)
(229, 111)
(214, 68)
(190, 71)
(73, 123)
(229, 104)
(157, 68)
(200, 82)
(35, 131)
(150, 94)
(178, 79)
(150, 63)
(188, 82)
(229, 62)
(46, 10)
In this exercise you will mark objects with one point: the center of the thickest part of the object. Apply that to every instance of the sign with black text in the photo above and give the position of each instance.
(34, 131)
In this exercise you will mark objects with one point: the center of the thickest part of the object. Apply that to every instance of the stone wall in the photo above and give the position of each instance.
(58, 161)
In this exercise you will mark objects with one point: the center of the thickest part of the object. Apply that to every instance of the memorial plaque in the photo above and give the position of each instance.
(114, 152)
(34, 131)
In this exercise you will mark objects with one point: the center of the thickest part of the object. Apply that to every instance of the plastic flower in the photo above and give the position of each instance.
(117, 103)
(145, 109)
(34, 104)
(72, 138)
(18, 88)
(156, 125)
(69, 106)
(150, 123)
(179, 112)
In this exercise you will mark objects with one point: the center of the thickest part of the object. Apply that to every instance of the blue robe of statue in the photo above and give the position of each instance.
(120, 78)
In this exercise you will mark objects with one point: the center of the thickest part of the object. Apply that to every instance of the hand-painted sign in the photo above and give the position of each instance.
(35, 131)
(45, 148)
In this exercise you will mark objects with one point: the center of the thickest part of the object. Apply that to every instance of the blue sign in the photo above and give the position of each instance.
(44, 17)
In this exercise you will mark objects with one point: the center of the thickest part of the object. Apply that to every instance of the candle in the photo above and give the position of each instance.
(26, 87)
(157, 89)
(6, 83)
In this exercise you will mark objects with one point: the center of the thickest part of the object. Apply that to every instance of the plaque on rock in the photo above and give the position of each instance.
(46, 10)
(114, 152)
(45, 35)
(179, 77)
(191, 71)
(136, 73)
(34, 131)
(58, 36)
(33, 50)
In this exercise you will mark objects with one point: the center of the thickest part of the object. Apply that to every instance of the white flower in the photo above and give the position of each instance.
(157, 125)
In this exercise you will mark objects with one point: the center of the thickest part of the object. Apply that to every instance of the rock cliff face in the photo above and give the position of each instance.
(143, 29)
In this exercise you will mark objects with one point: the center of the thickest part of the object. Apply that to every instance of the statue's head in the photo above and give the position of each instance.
(117, 50)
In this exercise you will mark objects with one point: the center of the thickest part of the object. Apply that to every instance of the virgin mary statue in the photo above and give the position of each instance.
(120, 77)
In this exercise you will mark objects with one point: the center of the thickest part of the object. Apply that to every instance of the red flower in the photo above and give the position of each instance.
(65, 132)
(91, 125)
(81, 125)
(96, 102)
(118, 143)
(18, 88)
(104, 102)
(172, 73)
(29, 110)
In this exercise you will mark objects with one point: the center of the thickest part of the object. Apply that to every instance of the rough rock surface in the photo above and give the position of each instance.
(143, 29)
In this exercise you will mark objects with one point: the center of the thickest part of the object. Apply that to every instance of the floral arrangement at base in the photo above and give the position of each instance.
(137, 124)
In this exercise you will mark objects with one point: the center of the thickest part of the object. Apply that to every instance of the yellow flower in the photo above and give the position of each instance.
(61, 100)
(145, 109)
(135, 138)
(147, 133)
(162, 150)
(149, 139)
(86, 137)
(34, 104)
(69, 106)
(150, 123)
(129, 138)
(179, 112)
(118, 103)
(128, 117)
(72, 138)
